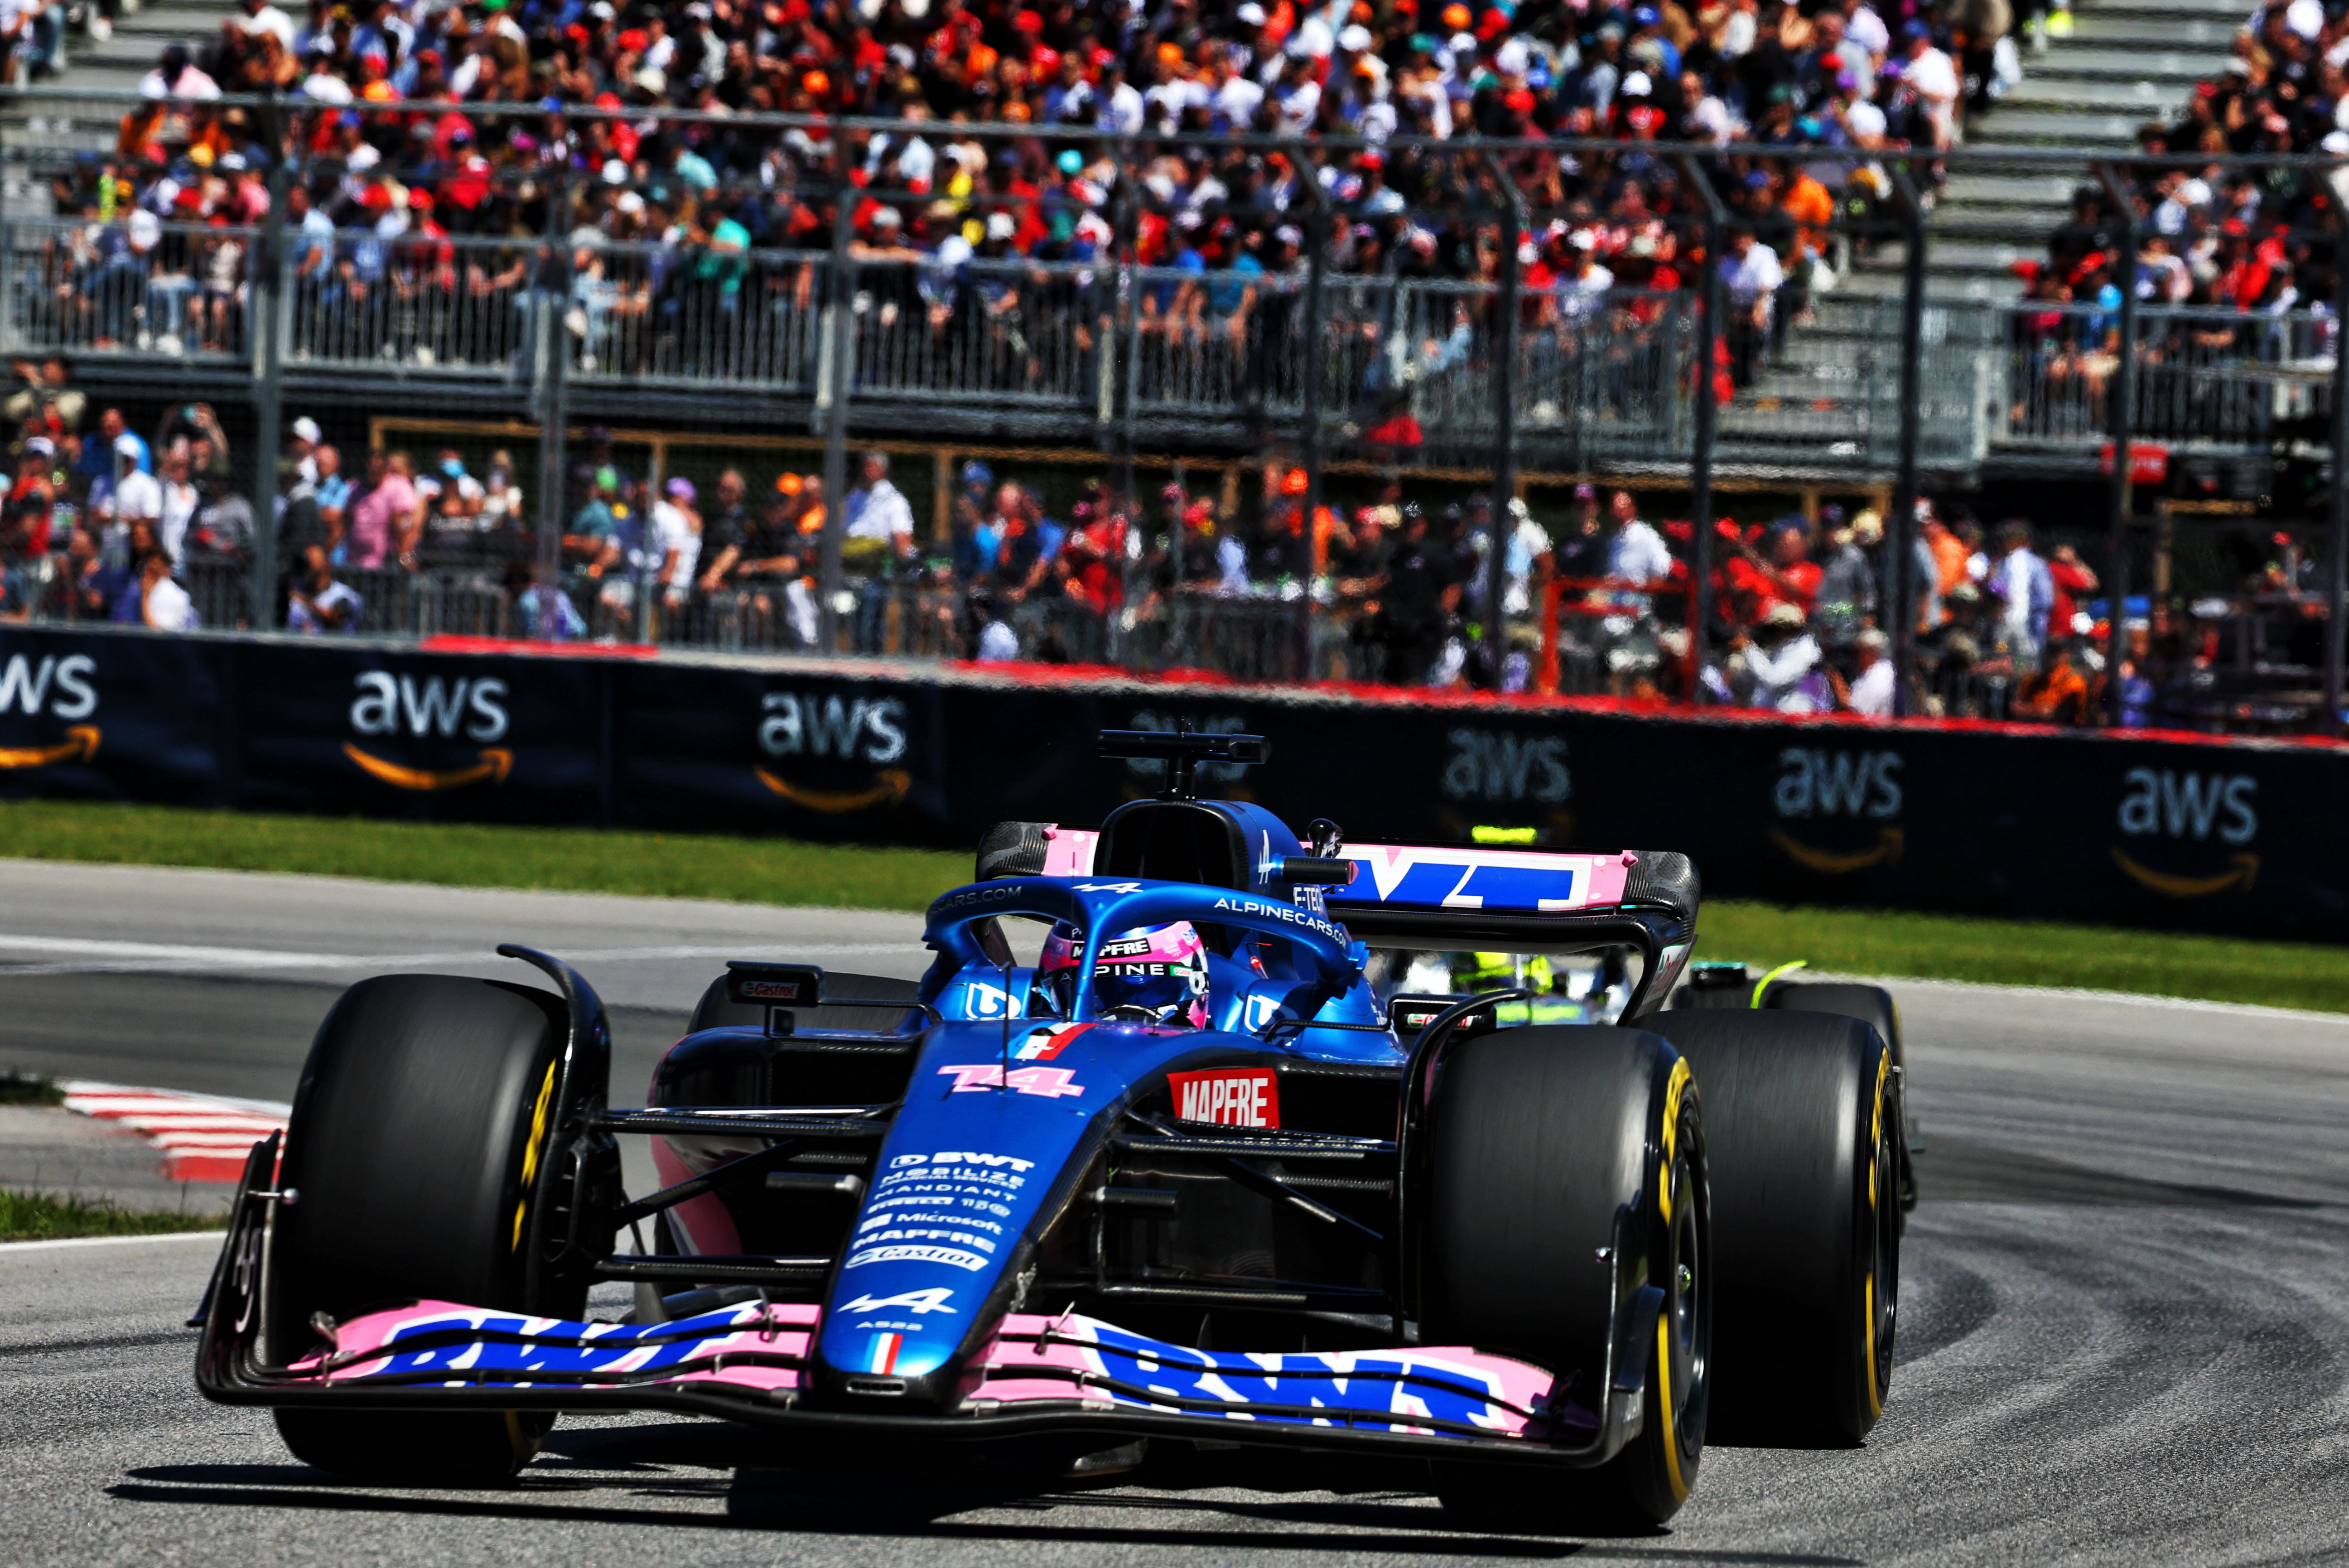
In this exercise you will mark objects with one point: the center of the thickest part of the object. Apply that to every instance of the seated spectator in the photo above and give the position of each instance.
(318, 603)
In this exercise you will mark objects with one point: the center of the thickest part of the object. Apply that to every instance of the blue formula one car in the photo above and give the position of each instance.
(1187, 1134)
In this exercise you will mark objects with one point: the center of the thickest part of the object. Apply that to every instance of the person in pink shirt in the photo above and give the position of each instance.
(384, 518)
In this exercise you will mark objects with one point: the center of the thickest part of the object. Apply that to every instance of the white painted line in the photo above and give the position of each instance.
(215, 1237)
(96, 955)
(2085, 993)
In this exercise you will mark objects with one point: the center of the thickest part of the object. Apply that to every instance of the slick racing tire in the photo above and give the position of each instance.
(1871, 1004)
(715, 1012)
(422, 1115)
(1801, 1115)
(1549, 1148)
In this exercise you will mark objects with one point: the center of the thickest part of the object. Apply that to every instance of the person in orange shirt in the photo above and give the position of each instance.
(1807, 202)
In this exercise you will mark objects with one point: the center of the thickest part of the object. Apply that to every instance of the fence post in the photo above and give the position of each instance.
(842, 340)
(264, 341)
(2336, 562)
(1708, 418)
(2120, 409)
(1308, 415)
(1504, 524)
(1900, 528)
(547, 331)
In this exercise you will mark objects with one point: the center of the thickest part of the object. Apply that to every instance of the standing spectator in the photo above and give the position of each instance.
(181, 500)
(2073, 582)
(133, 498)
(1869, 691)
(1752, 275)
(333, 499)
(1636, 554)
(1932, 76)
(318, 603)
(726, 528)
(1417, 597)
(2026, 594)
(224, 526)
(163, 604)
(383, 516)
(1848, 595)
(677, 541)
(1784, 663)
(595, 523)
(879, 521)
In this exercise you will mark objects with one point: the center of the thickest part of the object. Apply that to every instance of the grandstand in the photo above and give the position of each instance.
(1278, 279)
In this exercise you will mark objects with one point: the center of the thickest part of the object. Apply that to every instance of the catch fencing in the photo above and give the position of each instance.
(510, 307)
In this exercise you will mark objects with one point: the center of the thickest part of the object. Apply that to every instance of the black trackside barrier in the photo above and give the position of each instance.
(2239, 836)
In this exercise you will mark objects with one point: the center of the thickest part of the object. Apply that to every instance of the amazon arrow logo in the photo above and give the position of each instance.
(495, 763)
(2245, 871)
(1890, 842)
(79, 746)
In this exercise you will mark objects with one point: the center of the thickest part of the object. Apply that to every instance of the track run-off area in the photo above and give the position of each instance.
(2122, 1334)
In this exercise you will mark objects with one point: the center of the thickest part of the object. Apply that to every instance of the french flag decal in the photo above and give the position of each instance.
(885, 1352)
(1048, 1043)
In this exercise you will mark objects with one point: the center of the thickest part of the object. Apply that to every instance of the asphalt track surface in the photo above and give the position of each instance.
(2121, 1337)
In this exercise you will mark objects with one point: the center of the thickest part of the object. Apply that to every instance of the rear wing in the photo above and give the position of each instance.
(1448, 896)
(1451, 896)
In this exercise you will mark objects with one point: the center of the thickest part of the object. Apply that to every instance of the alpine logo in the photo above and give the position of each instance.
(1049, 1042)
(1229, 1096)
(921, 1303)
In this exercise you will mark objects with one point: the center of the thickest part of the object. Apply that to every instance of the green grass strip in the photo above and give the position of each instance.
(563, 860)
(2027, 952)
(42, 1217)
(782, 871)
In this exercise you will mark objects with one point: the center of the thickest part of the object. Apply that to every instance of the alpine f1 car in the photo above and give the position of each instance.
(1215, 1150)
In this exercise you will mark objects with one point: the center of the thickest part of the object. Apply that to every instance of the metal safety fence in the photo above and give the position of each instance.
(540, 323)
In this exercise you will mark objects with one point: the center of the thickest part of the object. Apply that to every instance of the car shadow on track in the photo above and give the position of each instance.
(709, 1475)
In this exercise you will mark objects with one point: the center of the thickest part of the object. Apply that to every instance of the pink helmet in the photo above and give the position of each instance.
(1157, 970)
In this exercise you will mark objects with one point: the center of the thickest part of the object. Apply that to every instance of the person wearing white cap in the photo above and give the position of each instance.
(132, 496)
(306, 437)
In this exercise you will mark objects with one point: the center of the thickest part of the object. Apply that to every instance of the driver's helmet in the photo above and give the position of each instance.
(1159, 969)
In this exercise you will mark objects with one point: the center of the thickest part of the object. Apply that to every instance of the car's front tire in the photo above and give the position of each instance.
(424, 1111)
(1802, 1113)
(1550, 1147)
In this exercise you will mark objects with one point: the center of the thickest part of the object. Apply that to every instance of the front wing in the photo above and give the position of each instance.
(1036, 1374)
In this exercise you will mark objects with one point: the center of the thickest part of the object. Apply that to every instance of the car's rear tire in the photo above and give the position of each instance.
(1802, 1118)
(1548, 1147)
(423, 1112)
(715, 1012)
(1871, 1004)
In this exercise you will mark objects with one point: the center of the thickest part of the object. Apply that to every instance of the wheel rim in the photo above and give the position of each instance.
(1685, 1297)
(1884, 1262)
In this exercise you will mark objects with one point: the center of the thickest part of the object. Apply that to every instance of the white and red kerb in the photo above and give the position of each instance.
(204, 1137)
(1227, 1096)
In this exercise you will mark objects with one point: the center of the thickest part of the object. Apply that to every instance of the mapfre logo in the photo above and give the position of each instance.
(58, 687)
(430, 707)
